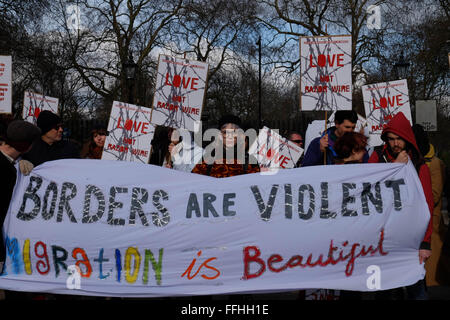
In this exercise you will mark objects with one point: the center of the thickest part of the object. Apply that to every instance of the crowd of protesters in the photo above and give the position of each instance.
(24, 146)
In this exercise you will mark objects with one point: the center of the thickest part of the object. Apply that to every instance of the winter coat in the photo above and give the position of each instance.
(437, 170)
(222, 169)
(400, 126)
(8, 174)
(42, 152)
(314, 157)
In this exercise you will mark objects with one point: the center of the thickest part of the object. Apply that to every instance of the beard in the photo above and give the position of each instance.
(394, 151)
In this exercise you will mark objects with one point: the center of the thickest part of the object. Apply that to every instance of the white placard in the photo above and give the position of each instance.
(273, 151)
(130, 133)
(5, 84)
(426, 114)
(179, 93)
(382, 101)
(34, 103)
(326, 73)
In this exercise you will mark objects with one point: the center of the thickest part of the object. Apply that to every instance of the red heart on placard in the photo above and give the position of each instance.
(128, 125)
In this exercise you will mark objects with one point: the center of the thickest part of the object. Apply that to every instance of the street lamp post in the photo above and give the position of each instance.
(259, 82)
(401, 67)
(130, 68)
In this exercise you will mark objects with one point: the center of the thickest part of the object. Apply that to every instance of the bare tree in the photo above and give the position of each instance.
(110, 33)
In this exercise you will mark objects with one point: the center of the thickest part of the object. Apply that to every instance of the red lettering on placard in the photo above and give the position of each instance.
(326, 78)
(35, 113)
(131, 125)
(324, 60)
(178, 81)
(386, 102)
(316, 89)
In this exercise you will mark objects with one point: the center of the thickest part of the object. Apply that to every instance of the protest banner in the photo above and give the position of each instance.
(271, 150)
(130, 133)
(5, 84)
(326, 73)
(34, 103)
(179, 93)
(115, 228)
(426, 114)
(382, 101)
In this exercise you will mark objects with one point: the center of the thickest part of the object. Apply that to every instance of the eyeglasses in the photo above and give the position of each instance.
(297, 141)
(56, 127)
(228, 132)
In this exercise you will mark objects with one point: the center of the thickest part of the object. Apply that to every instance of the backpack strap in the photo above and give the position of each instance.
(379, 151)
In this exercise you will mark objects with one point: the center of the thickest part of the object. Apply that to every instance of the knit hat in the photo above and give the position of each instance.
(229, 118)
(47, 120)
(20, 135)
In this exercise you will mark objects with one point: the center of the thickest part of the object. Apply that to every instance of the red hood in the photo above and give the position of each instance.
(400, 126)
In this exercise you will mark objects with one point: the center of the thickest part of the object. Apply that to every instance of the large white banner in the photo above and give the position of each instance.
(326, 73)
(34, 103)
(179, 93)
(382, 101)
(114, 228)
(130, 133)
(5, 84)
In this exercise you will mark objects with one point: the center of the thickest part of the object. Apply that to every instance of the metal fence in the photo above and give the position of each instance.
(79, 130)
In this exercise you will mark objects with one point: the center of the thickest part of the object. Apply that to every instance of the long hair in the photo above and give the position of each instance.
(93, 151)
(348, 143)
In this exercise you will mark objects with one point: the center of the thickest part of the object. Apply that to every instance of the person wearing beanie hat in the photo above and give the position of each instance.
(47, 120)
(18, 139)
(229, 118)
(51, 146)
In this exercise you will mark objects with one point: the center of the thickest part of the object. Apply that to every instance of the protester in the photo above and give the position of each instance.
(160, 145)
(345, 121)
(182, 154)
(400, 146)
(18, 140)
(297, 138)
(221, 167)
(50, 146)
(445, 256)
(173, 147)
(350, 148)
(93, 149)
(437, 171)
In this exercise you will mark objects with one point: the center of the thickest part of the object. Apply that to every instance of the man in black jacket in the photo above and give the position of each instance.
(19, 137)
(51, 146)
